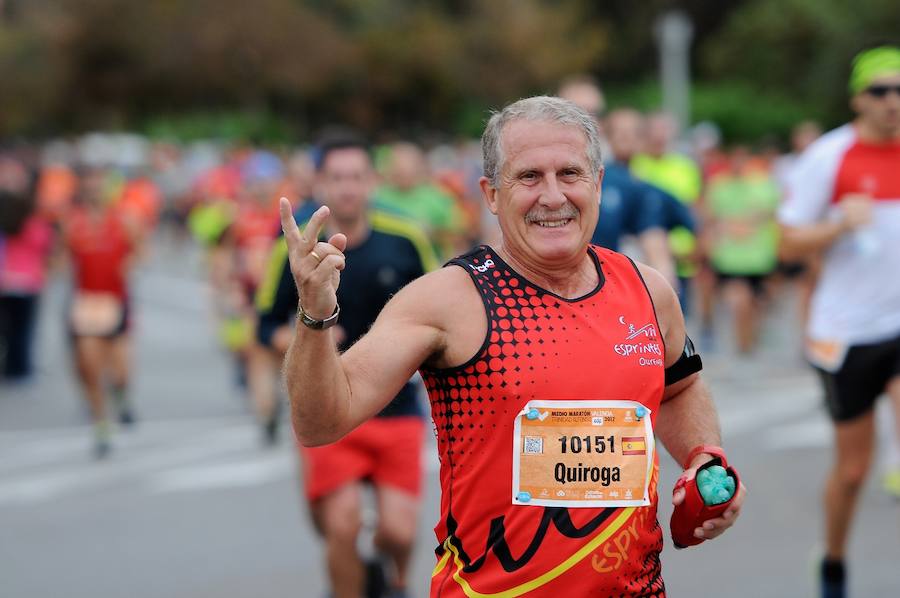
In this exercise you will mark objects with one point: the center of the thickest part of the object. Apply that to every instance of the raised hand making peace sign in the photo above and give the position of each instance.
(316, 265)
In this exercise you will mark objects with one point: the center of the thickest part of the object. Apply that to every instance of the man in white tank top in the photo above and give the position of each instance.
(844, 203)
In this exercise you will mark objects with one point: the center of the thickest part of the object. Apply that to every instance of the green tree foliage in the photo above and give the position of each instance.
(744, 112)
(378, 64)
(799, 47)
(400, 67)
(30, 74)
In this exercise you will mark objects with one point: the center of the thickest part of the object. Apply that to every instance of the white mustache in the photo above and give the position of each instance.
(568, 212)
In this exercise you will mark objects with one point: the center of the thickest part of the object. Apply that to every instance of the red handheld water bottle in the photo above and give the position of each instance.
(693, 510)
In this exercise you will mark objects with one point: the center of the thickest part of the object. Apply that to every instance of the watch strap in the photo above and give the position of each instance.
(315, 324)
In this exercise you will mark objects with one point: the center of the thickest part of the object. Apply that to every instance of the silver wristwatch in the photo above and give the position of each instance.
(318, 324)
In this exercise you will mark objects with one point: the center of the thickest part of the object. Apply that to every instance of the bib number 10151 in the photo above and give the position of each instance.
(587, 444)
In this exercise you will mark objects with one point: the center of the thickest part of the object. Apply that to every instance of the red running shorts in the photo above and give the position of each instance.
(385, 451)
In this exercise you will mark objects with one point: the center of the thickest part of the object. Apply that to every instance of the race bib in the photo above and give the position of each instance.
(582, 454)
(95, 314)
(826, 355)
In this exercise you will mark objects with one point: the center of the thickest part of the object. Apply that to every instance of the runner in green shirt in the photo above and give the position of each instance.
(741, 239)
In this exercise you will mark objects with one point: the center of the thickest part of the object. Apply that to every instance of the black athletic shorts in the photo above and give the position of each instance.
(756, 282)
(852, 390)
(792, 269)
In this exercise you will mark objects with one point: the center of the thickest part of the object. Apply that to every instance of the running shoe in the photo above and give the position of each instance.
(270, 432)
(102, 443)
(123, 407)
(376, 579)
(102, 449)
(272, 425)
(126, 415)
(833, 579)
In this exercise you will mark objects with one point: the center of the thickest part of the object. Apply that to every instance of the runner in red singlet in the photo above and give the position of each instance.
(253, 233)
(101, 240)
(552, 367)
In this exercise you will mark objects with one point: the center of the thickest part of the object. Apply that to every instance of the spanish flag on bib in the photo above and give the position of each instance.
(634, 445)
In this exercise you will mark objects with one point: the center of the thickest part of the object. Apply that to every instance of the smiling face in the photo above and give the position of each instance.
(546, 200)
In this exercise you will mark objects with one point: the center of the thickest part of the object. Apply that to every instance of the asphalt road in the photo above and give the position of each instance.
(191, 505)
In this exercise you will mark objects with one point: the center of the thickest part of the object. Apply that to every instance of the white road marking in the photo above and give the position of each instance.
(756, 413)
(83, 474)
(239, 474)
(815, 433)
(44, 451)
(152, 426)
(39, 488)
(68, 446)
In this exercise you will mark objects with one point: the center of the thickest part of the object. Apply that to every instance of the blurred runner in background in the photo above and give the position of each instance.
(679, 175)
(101, 239)
(625, 130)
(235, 217)
(844, 203)
(250, 239)
(740, 237)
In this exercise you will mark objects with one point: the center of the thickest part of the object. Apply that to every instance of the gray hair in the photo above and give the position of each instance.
(537, 108)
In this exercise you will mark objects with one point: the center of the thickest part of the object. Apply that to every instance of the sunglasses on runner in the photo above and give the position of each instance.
(880, 91)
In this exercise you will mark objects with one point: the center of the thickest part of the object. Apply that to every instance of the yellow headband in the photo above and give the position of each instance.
(874, 63)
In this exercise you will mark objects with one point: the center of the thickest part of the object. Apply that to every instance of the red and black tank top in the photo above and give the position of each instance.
(543, 346)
